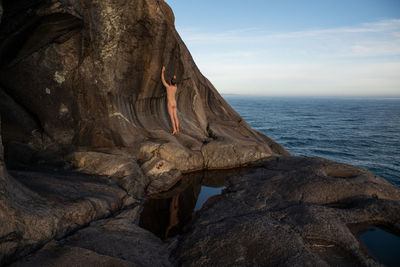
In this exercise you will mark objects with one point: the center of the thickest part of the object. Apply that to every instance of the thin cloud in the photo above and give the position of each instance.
(368, 39)
(255, 34)
(363, 59)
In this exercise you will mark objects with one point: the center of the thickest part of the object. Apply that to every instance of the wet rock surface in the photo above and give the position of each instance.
(291, 211)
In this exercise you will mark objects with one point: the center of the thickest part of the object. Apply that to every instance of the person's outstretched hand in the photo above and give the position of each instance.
(163, 68)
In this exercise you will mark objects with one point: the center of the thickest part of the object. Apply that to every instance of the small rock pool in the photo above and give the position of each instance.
(382, 245)
(166, 214)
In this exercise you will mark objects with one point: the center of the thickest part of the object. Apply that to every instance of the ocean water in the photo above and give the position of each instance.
(383, 246)
(359, 131)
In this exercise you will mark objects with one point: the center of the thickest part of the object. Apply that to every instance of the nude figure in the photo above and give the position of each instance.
(171, 102)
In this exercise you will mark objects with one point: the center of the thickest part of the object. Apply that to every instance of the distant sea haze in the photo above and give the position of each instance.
(359, 131)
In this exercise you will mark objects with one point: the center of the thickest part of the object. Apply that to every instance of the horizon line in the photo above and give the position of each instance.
(312, 96)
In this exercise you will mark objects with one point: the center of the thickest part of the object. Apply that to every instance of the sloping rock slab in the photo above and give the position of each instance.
(121, 238)
(54, 254)
(64, 187)
(122, 169)
(291, 211)
(116, 241)
(51, 204)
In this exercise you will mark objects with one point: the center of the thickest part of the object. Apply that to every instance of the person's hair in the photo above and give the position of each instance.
(173, 81)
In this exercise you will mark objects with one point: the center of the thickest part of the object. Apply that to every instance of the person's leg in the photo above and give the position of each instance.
(171, 115)
(176, 120)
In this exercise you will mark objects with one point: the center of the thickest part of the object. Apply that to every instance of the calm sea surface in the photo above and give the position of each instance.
(359, 131)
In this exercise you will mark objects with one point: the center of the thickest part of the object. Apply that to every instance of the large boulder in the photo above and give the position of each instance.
(86, 75)
(80, 88)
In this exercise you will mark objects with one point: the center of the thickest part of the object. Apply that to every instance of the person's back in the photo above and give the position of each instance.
(171, 101)
(171, 91)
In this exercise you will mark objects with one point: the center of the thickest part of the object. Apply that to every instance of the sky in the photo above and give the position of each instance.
(294, 47)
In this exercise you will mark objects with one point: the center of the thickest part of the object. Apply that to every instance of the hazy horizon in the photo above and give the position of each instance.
(292, 48)
(312, 96)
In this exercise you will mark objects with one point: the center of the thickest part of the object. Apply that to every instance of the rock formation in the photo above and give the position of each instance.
(86, 137)
(291, 211)
(80, 87)
(41, 204)
(85, 76)
(116, 241)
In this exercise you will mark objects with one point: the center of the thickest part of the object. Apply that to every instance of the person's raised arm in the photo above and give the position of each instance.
(162, 77)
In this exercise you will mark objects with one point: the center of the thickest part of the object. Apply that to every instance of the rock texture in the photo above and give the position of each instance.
(36, 206)
(80, 91)
(117, 241)
(292, 211)
(85, 76)
(86, 136)
(54, 254)
(39, 206)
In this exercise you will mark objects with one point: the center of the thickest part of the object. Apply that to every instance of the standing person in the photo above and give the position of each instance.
(171, 102)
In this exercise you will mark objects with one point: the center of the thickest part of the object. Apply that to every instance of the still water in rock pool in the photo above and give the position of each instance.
(166, 214)
(384, 246)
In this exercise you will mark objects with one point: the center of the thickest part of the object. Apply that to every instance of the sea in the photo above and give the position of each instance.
(359, 131)
(364, 132)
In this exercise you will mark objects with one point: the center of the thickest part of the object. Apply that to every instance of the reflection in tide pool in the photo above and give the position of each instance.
(205, 193)
(384, 246)
(166, 214)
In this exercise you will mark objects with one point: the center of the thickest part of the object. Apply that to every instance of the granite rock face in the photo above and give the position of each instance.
(81, 96)
(292, 211)
(86, 136)
(86, 77)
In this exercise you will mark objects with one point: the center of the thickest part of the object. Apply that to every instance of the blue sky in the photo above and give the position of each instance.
(294, 47)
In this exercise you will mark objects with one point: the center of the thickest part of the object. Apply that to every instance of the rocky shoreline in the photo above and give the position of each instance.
(291, 211)
(282, 211)
(87, 139)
